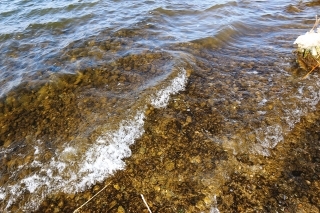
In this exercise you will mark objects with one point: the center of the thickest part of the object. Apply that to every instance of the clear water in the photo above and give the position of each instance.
(109, 61)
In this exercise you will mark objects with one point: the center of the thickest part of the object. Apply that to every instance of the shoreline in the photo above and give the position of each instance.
(179, 168)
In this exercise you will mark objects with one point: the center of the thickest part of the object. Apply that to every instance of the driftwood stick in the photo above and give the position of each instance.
(145, 202)
(311, 71)
(75, 211)
(316, 23)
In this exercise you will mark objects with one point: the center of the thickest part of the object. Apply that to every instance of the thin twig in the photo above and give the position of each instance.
(316, 23)
(145, 202)
(311, 71)
(91, 198)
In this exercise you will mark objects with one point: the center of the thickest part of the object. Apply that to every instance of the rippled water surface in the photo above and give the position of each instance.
(173, 98)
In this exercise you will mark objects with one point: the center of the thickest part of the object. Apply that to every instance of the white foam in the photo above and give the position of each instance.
(105, 157)
(100, 160)
(292, 117)
(161, 99)
(214, 209)
(262, 112)
(31, 183)
(309, 40)
(36, 150)
(296, 104)
(311, 96)
(263, 102)
(253, 72)
(267, 138)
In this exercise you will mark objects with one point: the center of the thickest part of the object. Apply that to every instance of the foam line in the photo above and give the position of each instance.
(99, 161)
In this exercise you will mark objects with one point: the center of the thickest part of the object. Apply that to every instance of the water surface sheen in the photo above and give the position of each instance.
(205, 93)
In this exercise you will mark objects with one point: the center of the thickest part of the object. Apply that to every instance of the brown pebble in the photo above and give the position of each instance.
(121, 210)
(96, 188)
(169, 166)
(116, 186)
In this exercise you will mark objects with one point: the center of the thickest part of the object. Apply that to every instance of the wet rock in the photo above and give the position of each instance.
(293, 9)
(56, 210)
(120, 210)
(116, 186)
(169, 166)
(182, 158)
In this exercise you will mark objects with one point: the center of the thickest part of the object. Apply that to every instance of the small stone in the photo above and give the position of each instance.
(60, 204)
(292, 9)
(207, 201)
(121, 210)
(196, 159)
(148, 112)
(270, 106)
(87, 195)
(157, 188)
(142, 150)
(188, 120)
(71, 196)
(169, 166)
(96, 188)
(112, 204)
(116, 186)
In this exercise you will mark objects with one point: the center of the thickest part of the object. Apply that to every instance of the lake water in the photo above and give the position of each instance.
(92, 88)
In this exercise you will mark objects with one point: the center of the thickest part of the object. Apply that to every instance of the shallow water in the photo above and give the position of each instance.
(83, 81)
